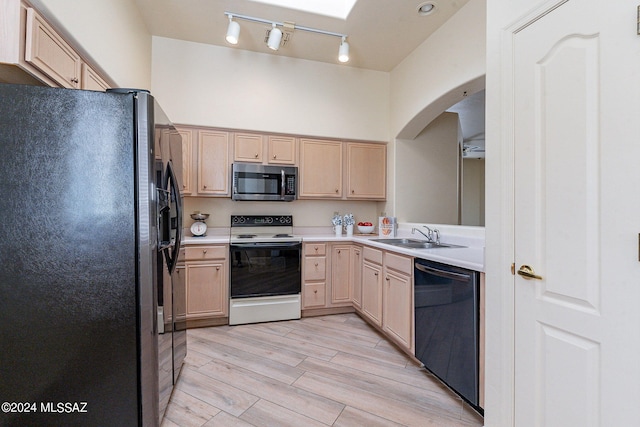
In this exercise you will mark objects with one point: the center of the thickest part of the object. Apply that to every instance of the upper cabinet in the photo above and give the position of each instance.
(213, 163)
(322, 170)
(33, 52)
(48, 52)
(269, 149)
(247, 147)
(366, 171)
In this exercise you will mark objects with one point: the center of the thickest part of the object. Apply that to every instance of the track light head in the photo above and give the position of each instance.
(275, 36)
(343, 52)
(233, 31)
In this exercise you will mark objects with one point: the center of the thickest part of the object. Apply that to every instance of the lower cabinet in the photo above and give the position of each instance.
(397, 299)
(328, 274)
(372, 285)
(356, 281)
(206, 273)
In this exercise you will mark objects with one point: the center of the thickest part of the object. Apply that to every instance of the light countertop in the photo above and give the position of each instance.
(471, 256)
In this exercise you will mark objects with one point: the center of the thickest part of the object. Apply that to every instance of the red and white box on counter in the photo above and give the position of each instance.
(387, 226)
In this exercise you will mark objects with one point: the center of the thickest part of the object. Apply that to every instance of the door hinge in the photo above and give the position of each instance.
(513, 268)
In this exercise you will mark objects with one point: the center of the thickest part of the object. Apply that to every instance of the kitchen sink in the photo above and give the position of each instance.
(415, 243)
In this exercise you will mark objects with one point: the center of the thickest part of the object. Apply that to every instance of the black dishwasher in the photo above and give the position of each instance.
(446, 325)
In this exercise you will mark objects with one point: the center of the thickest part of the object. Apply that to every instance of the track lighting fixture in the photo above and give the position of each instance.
(275, 34)
(343, 51)
(233, 31)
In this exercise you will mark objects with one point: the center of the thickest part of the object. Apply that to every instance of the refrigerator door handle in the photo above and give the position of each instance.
(174, 244)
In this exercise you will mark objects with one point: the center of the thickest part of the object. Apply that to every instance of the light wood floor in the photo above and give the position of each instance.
(318, 371)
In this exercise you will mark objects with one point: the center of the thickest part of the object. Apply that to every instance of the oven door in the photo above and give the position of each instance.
(265, 269)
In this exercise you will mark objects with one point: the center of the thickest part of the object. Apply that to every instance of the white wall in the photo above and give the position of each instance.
(473, 192)
(427, 181)
(218, 86)
(111, 33)
(435, 75)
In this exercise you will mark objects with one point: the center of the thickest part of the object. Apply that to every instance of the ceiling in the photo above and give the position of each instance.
(471, 114)
(381, 33)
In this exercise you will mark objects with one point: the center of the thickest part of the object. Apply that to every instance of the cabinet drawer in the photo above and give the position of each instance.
(373, 255)
(200, 253)
(315, 268)
(398, 263)
(315, 249)
(314, 295)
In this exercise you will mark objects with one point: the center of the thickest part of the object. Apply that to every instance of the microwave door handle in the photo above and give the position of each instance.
(282, 184)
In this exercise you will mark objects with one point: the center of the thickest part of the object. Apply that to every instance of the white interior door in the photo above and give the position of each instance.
(577, 215)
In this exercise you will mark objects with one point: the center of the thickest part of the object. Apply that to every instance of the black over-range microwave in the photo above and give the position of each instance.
(264, 182)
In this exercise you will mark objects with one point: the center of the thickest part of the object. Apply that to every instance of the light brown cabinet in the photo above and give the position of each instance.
(314, 275)
(372, 285)
(268, 149)
(341, 274)
(320, 169)
(213, 163)
(48, 52)
(247, 147)
(91, 80)
(366, 171)
(33, 52)
(186, 137)
(397, 299)
(281, 150)
(206, 277)
(356, 278)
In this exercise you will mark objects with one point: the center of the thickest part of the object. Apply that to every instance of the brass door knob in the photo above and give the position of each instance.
(528, 273)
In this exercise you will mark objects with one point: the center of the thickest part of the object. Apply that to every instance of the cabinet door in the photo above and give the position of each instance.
(398, 308)
(320, 169)
(366, 171)
(340, 274)
(206, 290)
(91, 80)
(213, 163)
(47, 51)
(356, 276)
(372, 292)
(247, 147)
(186, 136)
(282, 150)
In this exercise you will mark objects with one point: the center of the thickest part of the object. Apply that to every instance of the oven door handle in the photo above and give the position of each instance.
(265, 245)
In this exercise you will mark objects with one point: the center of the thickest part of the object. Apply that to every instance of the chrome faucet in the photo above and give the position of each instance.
(429, 234)
(437, 233)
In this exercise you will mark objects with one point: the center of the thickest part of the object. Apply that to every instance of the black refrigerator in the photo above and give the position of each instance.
(91, 320)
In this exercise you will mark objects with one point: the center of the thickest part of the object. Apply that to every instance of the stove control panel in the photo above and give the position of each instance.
(261, 220)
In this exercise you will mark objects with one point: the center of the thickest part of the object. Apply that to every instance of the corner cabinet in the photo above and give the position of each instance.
(372, 285)
(206, 273)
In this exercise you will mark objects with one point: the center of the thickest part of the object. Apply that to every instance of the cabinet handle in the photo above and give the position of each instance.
(256, 156)
(316, 264)
(336, 191)
(274, 156)
(387, 279)
(218, 268)
(338, 250)
(376, 274)
(353, 191)
(74, 80)
(204, 251)
(316, 248)
(315, 292)
(204, 186)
